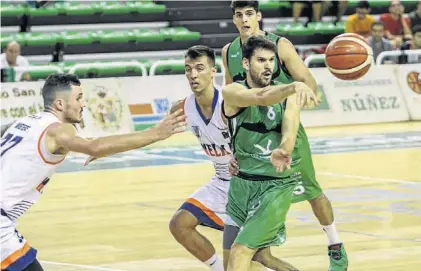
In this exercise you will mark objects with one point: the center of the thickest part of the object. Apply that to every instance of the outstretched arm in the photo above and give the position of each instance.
(237, 96)
(64, 138)
(240, 96)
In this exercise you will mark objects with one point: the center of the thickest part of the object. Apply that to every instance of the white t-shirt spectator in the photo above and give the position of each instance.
(20, 62)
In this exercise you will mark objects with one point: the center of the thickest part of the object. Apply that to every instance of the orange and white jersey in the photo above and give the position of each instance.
(26, 164)
(212, 134)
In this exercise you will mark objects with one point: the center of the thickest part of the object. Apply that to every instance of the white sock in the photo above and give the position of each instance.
(332, 234)
(214, 263)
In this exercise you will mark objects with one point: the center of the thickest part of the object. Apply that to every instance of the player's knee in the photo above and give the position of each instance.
(320, 199)
(241, 251)
(263, 256)
(181, 223)
(175, 224)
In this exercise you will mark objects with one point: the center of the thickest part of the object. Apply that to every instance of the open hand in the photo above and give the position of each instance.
(280, 159)
(172, 124)
(305, 95)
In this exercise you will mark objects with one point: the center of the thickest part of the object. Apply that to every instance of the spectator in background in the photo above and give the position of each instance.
(397, 26)
(415, 16)
(11, 58)
(340, 7)
(377, 41)
(413, 44)
(360, 22)
(297, 8)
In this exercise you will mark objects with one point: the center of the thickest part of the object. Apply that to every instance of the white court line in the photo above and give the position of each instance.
(367, 178)
(180, 158)
(88, 267)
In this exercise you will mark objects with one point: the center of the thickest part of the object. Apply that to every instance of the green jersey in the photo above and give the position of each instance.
(259, 197)
(255, 132)
(235, 65)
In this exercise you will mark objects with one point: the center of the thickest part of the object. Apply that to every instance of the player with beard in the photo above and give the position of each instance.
(270, 147)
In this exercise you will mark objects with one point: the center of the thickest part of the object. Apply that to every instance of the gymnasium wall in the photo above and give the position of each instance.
(387, 93)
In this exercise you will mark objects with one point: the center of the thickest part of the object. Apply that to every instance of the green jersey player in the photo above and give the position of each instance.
(264, 138)
(288, 68)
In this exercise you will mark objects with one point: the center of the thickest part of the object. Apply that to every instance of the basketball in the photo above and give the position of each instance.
(348, 56)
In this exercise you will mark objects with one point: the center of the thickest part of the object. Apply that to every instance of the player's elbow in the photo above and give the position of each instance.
(228, 97)
(95, 149)
(225, 93)
(92, 150)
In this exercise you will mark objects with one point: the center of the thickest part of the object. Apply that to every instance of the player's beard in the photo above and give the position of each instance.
(259, 79)
(69, 119)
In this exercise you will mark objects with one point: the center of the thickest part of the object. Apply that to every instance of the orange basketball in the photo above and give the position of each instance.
(348, 56)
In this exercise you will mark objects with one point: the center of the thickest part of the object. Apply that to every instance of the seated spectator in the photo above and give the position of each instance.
(414, 44)
(378, 43)
(415, 16)
(396, 24)
(340, 8)
(297, 8)
(12, 58)
(360, 23)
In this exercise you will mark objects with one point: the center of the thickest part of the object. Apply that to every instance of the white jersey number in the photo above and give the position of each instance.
(8, 142)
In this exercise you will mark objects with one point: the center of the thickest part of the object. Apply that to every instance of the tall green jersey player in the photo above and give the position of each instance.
(289, 67)
(264, 138)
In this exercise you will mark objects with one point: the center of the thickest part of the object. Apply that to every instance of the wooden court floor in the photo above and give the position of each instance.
(117, 219)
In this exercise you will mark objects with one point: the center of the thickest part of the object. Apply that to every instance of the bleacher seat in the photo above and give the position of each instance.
(179, 34)
(82, 12)
(90, 72)
(114, 36)
(80, 8)
(34, 43)
(326, 28)
(293, 29)
(12, 10)
(273, 4)
(41, 74)
(375, 3)
(74, 37)
(144, 35)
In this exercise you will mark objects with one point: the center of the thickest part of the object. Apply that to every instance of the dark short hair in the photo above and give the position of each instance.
(363, 4)
(378, 23)
(416, 29)
(201, 50)
(57, 83)
(257, 42)
(243, 4)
